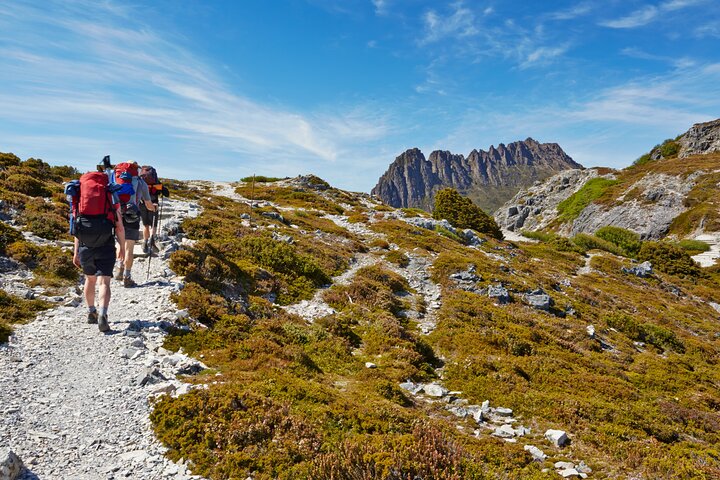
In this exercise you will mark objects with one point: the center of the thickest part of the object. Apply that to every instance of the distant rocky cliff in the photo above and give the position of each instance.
(489, 178)
(701, 139)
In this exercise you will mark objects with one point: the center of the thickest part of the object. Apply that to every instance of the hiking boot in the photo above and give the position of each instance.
(146, 247)
(119, 274)
(103, 325)
(93, 317)
(128, 282)
(154, 247)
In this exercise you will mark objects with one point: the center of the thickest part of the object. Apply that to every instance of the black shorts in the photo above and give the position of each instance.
(97, 260)
(148, 217)
(132, 230)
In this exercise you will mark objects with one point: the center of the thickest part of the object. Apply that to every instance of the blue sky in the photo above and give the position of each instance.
(339, 88)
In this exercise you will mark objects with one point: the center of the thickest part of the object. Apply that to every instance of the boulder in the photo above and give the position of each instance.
(435, 390)
(538, 299)
(504, 431)
(643, 270)
(10, 465)
(499, 293)
(557, 437)
(537, 454)
(411, 387)
(503, 412)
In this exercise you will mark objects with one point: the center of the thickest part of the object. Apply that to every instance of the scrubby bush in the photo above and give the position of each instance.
(8, 235)
(45, 219)
(16, 310)
(261, 179)
(398, 257)
(591, 242)
(461, 212)
(202, 305)
(693, 247)
(27, 185)
(53, 264)
(669, 259)
(625, 240)
(8, 160)
(655, 335)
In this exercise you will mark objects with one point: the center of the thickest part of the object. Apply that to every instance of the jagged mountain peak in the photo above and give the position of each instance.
(488, 177)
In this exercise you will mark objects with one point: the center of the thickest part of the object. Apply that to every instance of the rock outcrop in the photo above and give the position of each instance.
(536, 207)
(701, 139)
(489, 178)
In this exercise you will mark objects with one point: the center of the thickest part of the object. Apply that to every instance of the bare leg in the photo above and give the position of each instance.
(129, 254)
(146, 232)
(104, 292)
(89, 290)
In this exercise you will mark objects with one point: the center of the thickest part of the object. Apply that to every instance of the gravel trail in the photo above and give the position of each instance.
(74, 403)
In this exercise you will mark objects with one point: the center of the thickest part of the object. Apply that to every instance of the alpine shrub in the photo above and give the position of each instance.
(591, 242)
(669, 259)
(627, 241)
(461, 212)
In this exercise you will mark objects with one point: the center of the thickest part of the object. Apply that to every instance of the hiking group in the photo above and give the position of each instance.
(106, 206)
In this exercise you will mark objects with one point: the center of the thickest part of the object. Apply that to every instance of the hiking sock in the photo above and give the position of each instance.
(127, 273)
(103, 312)
(92, 309)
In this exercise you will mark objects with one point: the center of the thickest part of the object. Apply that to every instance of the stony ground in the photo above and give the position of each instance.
(74, 403)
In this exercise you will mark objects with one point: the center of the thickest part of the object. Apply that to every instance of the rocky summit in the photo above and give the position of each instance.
(489, 178)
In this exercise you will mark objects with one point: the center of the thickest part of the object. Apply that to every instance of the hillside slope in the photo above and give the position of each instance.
(384, 313)
(673, 190)
(488, 178)
(346, 339)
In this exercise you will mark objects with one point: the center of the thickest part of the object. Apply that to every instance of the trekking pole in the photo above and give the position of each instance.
(252, 194)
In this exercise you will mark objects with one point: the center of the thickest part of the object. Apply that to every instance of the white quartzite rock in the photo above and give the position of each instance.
(10, 465)
(557, 437)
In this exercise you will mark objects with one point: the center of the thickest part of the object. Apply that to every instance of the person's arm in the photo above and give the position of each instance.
(76, 255)
(144, 192)
(120, 232)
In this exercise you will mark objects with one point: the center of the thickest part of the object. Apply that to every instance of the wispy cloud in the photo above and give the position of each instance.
(649, 14)
(682, 62)
(543, 55)
(573, 12)
(459, 23)
(381, 6)
(611, 127)
(108, 71)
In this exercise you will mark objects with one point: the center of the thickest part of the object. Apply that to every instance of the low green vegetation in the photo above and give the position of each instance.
(628, 242)
(261, 179)
(570, 208)
(287, 398)
(461, 212)
(669, 259)
(668, 149)
(693, 247)
(17, 310)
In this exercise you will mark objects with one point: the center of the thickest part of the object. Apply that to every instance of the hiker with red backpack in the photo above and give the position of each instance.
(95, 222)
(132, 192)
(150, 218)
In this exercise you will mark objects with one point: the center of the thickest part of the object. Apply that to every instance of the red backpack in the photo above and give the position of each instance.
(126, 177)
(94, 218)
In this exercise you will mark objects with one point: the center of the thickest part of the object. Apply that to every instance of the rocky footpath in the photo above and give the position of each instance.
(75, 402)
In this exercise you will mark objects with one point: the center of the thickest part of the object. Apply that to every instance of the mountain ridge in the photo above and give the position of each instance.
(488, 177)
